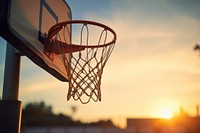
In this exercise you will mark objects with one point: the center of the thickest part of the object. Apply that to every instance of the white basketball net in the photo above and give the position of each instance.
(85, 66)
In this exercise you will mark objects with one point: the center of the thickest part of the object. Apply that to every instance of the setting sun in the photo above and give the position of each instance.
(165, 109)
(166, 114)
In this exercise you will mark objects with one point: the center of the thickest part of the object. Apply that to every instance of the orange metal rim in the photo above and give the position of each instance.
(57, 27)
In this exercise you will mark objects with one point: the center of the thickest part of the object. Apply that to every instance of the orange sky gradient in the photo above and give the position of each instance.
(152, 72)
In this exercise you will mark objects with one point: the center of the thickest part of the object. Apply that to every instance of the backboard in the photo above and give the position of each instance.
(25, 23)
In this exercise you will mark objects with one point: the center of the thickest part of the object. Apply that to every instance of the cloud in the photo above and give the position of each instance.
(135, 37)
(42, 85)
(36, 80)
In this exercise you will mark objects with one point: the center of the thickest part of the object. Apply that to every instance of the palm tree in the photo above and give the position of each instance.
(197, 47)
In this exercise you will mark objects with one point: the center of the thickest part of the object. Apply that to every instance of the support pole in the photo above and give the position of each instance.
(10, 107)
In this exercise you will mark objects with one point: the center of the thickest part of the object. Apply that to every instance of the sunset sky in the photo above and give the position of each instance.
(152, 71)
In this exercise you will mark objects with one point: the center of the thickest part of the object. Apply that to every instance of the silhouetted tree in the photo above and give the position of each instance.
(73, 109)
(39, 114)
(37, 109)
(102, 123)
(197, 47)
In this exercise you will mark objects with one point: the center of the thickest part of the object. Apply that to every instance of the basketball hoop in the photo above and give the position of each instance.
(87, 57)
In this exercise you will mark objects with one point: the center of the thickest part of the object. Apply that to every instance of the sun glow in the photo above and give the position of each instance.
(166, 113)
